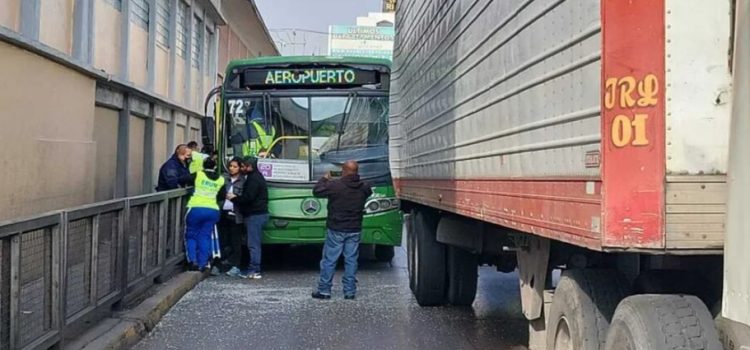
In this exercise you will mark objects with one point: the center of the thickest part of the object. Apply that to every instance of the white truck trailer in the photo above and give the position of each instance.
(586, 137)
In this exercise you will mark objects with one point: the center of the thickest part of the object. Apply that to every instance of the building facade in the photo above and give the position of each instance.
(96, 94)
(372, 36)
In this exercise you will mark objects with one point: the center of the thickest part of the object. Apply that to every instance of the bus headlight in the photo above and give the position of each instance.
(377, 205)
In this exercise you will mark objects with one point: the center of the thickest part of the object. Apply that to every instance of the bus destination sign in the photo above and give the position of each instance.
(312, 76)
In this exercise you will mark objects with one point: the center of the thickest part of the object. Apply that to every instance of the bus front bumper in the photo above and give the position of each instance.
(381, 228)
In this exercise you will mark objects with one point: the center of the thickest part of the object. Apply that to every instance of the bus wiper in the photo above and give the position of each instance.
(267, 115)
(345, 116)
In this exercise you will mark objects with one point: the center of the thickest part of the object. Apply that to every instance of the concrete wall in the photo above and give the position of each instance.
(106, 124)
(180, 81)
(48, 155)
(196, 93)
(135, 149)
(56, 29)
(242, 38)
(138, 55)
(108, 29)
(10, 11)
(95, 105)
(161, 152)
(162, 71)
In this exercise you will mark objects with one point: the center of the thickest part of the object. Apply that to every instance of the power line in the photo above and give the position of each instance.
(287, 39)
(297, 30)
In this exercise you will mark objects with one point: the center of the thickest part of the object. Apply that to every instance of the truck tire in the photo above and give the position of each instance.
(462, 276)
(662, 322)
(410, 243)
(429, 261)
(582, 307)
(384, 253)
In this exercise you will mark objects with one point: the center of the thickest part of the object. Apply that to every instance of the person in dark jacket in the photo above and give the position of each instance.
(231, 228)
(346, 205)
(173, 172)
(253, 205)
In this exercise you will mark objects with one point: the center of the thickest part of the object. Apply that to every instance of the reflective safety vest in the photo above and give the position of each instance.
(206, 190)
(196, 164)
(253, 147)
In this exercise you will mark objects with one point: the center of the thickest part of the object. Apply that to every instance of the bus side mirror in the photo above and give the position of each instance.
(208, 131)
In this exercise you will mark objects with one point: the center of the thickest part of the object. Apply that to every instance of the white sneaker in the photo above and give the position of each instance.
(255, 276)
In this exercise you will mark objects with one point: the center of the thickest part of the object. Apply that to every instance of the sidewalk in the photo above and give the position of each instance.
(125, 329)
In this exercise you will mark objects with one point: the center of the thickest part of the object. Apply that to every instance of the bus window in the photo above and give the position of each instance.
(345, 128)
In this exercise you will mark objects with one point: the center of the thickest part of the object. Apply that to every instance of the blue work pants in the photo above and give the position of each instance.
(200, 223)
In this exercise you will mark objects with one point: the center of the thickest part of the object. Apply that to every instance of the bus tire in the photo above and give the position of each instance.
(384, 253)
(582, 307)
(662, 322)
(429, 261)
(462, 276)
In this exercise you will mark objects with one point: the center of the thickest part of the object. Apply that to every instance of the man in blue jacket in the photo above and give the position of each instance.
(173, 172)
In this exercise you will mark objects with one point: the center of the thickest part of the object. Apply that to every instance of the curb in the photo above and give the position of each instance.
(126, 329)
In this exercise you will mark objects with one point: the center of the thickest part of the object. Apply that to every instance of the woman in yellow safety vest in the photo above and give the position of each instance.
(196, 158)
(203, 214)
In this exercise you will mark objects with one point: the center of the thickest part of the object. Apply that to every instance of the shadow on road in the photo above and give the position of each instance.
(307, 258)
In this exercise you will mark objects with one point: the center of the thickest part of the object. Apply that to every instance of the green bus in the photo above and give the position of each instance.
(302, 117)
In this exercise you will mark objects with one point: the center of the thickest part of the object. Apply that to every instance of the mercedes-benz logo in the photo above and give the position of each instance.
(310, 206)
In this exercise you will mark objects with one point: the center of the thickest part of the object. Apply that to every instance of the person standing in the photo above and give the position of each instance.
(231, 224)
(174, 170)
(203, 214)
(261, 133)
(253, 204)
(346, 205)
(197, 158)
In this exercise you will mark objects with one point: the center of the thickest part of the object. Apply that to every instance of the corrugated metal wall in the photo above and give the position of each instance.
(496, 89)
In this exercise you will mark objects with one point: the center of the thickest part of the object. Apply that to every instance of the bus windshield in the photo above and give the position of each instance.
(300, 138)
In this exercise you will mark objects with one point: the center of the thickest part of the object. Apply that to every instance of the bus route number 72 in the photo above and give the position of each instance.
(237, 107)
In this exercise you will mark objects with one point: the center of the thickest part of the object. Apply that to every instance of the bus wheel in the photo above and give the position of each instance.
(384, 253)
(429, 261)
(462, 276)
(582, 306)
(652, 321)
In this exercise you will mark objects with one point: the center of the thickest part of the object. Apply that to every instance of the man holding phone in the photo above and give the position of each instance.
(346, 196)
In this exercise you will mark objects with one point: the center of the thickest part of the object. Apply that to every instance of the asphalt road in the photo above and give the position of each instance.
(277, 312)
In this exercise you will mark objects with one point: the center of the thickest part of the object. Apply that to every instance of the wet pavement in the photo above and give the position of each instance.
(278, 313)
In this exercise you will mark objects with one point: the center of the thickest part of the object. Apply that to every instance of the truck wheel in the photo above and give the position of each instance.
(651, 321)
(462, 276)
(582, 306)
(410, 242)
(384, 253)
(429, 261)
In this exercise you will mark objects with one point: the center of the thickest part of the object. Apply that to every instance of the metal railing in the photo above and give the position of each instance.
(60, 272)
